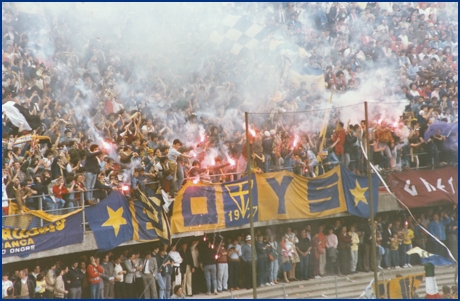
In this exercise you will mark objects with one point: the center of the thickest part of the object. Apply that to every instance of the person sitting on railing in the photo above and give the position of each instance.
(430, 146)
(40, 188)
(112, 181)
(42, 183)
(79, 188)
(164, 174)
(143, 179)
(58, 190)
(70, 197)
(196, 173)
(16, 170)
(21, 192)
(217, 171)
(136, 184)
(380, 161)
(102, 190)
(385, 140)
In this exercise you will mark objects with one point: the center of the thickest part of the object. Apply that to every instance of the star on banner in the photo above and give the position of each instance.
(115, 220)
(358, 194)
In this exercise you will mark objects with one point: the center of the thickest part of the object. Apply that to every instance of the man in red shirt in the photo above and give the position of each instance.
(94, 271)
(339, 135)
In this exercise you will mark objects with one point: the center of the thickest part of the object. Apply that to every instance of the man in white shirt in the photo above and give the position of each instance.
(6, 283)
(175, 256)
(234, 253)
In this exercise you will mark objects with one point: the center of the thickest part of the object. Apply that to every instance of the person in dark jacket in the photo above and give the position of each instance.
(159, 278)
(267, 146)
(262, 261)
(75, 276)
(186, 268)
(387, 234)
(102, 190)
(350, 148)
(165, 269)
(24, 287)
(208, 265)
(92, 168)
(344, 248)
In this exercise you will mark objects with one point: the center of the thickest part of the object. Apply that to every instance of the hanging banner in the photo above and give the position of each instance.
(64, 232)
(284, 195)
(279, 195)
(417, 188)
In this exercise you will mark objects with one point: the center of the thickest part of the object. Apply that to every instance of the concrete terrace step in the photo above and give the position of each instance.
(347, 287)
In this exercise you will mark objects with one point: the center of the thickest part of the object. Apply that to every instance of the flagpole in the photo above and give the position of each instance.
(251, 211)
(371, 206)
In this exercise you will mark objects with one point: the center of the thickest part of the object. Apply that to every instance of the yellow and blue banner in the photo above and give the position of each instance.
(276, 196)
(59, 233)
(284, 195)
(110, 221)
(401, 287)
(150, 222)
(200, 207)
(356, 190)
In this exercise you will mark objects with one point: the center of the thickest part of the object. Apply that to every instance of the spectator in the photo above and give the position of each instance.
(149, 272)
(131, 268)
(178, 294)
(59, 289)
(119, 289)
(344, 249)
(274, 251)
(394, 251)
(165, 269)
(353, 249)
(177, 260)
(387, 235)
(6, 283)
(246, 258)
(304, 250)
(408, 235)
(92, 169)
(40, 286)
(233, 256)
(286, 253)
(94, 272)
(24, 288)
(331, 251)
(50, 281)
(437, 228)
(75, 276)
(262, 261)
(108, 277)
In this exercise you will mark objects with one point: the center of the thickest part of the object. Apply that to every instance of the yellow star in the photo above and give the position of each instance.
(358, 193)
(115, 220)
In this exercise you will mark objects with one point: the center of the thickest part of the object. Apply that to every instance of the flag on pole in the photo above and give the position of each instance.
(426, 257)
(368, 292)
(431, 286)
(237, 32)
(18, 115)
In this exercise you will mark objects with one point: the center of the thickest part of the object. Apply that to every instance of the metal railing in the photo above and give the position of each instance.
(80, 203)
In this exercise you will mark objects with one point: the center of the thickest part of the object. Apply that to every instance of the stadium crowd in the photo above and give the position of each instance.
(108, 127)
(127, 124)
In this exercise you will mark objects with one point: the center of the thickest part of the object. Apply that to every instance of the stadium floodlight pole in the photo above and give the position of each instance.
(371, 206)
(251, 211)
